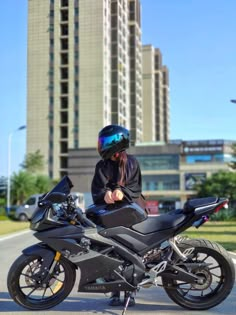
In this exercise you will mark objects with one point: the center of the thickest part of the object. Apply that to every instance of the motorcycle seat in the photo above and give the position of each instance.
(192, 204)
(158, 223)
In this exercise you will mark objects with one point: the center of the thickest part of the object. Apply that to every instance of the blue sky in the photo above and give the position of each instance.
(198, 43)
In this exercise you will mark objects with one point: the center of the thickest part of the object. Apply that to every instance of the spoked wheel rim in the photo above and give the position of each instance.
(212, 279)
(31, 285)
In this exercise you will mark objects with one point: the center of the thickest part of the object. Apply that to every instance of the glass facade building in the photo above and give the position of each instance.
(170, 171)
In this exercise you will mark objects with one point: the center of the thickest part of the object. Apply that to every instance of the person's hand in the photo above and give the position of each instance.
(117, 195)
(108, 197)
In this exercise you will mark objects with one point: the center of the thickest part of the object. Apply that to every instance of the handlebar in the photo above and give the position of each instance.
(81, 218)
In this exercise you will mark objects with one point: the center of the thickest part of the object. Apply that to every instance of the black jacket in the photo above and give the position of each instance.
(107, 176)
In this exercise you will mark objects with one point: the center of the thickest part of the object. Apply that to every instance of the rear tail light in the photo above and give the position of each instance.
(222, 205)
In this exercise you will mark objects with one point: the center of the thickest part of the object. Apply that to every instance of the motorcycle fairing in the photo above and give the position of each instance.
(124, 252)
(67, 237)
(69, 243)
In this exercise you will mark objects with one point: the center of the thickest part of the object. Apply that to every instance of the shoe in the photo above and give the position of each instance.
(131, 301)
(115, 301)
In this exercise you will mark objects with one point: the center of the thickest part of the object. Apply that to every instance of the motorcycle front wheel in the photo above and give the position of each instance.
(218, 274)
(24, 286)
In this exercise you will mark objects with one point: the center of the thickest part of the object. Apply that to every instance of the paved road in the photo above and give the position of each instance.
(149, 301)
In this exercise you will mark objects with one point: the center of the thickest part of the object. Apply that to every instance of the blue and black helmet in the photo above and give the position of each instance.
(112, 139)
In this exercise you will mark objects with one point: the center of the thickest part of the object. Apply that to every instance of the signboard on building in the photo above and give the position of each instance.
(192, 179)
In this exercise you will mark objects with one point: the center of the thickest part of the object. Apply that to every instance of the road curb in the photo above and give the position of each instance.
(12, 235)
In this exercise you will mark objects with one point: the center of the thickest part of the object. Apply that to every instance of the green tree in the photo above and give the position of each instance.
(42, 184)
(34, 162)
(220, 184)
(22, 186)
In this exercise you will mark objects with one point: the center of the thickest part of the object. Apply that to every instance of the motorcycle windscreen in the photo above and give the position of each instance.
(64, 186)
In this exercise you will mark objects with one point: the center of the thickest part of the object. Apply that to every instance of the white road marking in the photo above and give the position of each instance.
(4, 238)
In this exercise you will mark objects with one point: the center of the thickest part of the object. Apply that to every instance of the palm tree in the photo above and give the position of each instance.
(22, 186)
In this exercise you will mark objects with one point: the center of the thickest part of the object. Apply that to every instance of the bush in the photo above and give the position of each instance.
(224, 215)
(2, 202)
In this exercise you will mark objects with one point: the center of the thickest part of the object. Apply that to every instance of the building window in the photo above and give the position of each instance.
(64, 132)
(76, 11)
(64, 73)
(64, 117)
(64, 15)
(159, 162)
(76, 144)
(64, 43)
(64, 30)
(64, 147)
(64, 3)
(160, 182)
(76, 70)
(64, 88)
(199, 158)
(64, 59)
(113, 8)
(64, 102)
(63, 162)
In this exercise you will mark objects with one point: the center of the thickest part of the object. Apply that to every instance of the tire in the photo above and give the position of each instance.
(23, 217)
(24, 290)
(218, 277)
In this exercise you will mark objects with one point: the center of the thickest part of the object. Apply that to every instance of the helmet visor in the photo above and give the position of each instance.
(106, 142)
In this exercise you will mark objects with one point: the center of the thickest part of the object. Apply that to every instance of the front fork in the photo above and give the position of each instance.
(55, 261)
(50, 271)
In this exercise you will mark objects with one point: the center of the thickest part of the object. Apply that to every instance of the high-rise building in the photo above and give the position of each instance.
(84, 72)
(155, 96)
(135, 60)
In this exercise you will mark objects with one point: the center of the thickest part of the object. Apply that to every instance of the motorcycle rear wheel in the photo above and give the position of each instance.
(24, 289)
(219, 277)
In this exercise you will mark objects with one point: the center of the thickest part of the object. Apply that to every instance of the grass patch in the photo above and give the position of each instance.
(8, 226)
(222, 232)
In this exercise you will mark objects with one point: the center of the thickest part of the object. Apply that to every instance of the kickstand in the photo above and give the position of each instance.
(126, 305)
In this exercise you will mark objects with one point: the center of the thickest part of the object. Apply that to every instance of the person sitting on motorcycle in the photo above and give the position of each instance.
(117, 176)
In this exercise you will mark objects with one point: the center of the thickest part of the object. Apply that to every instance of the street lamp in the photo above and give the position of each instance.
(9, 167)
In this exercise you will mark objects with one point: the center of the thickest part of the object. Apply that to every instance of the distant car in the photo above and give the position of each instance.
(24, 212)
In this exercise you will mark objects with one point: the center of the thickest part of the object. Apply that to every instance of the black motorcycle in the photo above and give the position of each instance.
(120, 249)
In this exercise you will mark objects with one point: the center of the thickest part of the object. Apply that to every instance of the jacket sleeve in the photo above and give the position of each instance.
(133, 187)
(99, 182)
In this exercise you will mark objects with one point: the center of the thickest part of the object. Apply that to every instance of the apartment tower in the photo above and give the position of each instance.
(85, 72)
(135, 60)
(155, 96)
(81, 57)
